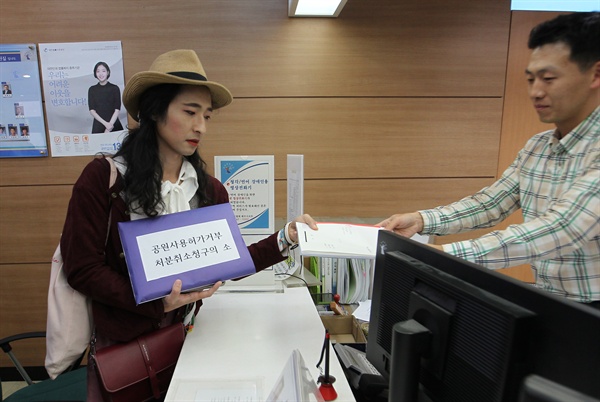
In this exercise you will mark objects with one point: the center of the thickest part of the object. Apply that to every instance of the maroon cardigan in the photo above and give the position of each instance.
(104, 277)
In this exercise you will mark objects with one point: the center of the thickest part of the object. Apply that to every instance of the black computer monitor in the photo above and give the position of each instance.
(444, 329)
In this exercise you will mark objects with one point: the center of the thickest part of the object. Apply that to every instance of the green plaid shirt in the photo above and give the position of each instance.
(556, 183)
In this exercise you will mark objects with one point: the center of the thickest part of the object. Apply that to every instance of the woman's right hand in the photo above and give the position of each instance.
(176, 299)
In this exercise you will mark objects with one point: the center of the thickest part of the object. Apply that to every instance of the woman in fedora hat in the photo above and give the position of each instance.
(160, 172)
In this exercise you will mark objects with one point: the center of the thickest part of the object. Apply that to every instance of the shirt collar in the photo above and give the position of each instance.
(176, 196)
(586, 131)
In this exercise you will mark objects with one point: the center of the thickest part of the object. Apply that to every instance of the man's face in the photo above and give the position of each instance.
(561, 93)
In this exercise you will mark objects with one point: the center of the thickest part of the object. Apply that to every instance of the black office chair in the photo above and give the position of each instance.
(70, 386)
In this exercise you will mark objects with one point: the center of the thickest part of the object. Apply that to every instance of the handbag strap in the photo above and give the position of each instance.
(149, 368)
(113, 171)
(111, 182)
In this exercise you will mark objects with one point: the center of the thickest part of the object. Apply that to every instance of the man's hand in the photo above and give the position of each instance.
(405, 225)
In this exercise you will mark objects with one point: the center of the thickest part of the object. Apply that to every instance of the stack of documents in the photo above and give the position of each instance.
(346, 240)
(350, 278)
(343, 257)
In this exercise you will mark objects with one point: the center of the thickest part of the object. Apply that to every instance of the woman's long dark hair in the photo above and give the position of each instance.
(143, 178)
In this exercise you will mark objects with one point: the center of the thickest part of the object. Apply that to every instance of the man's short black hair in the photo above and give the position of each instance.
(580, 31)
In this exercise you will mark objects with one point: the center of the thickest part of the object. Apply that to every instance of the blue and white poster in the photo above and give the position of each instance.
(83, 83)
(250, 182)
(22, 128)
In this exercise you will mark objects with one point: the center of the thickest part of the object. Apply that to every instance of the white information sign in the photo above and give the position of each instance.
(250, 182)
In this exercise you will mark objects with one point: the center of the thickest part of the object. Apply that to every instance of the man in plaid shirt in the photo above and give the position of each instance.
(555, 178)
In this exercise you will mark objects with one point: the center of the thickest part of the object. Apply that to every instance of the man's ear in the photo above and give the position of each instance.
(596, 77)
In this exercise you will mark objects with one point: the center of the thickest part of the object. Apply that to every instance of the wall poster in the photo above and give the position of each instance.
(83, 83)
(250, 182)
(22, 128)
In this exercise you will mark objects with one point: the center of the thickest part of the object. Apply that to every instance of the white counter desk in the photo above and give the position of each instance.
(242, 341)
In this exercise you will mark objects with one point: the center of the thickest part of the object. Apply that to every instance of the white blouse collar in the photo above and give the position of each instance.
(175, 196)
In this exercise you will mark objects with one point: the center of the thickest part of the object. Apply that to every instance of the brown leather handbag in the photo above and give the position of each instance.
(140, 370)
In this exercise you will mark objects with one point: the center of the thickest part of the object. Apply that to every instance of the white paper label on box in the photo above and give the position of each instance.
(186, 248)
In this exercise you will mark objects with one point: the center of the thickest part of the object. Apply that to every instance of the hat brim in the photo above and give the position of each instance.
(143, 80)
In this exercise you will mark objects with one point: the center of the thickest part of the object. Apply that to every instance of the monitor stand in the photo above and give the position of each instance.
(410, 342)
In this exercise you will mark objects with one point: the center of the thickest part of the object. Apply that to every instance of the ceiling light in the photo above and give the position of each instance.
(556, 5)
(315, 8)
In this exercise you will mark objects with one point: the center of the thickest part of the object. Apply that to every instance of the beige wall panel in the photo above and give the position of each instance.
(23, 304)
(30, 352)
(339, 138)
(363, 138)
(32, 221)
(375, 48)
(378, 199)
(521, 272)
(41, 171)
(30, 229)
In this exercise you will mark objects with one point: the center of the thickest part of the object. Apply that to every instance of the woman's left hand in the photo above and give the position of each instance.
(176, 299)
(293, 230)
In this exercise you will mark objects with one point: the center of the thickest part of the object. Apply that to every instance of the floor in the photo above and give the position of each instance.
(8, 387)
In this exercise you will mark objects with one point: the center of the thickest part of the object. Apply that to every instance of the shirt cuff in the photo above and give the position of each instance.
(281, 241)
(429, 221)
(284, 241)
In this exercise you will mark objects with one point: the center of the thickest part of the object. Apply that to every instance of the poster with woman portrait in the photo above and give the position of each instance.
(83, 82)
(22, 128)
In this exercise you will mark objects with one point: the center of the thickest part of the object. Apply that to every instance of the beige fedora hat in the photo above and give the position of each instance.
(174, 67)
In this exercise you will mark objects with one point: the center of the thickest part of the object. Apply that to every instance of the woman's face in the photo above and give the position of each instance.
(180, 131)
(101, 74)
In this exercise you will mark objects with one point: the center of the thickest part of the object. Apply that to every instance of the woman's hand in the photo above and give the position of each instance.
(293, 230)
(176, 299)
